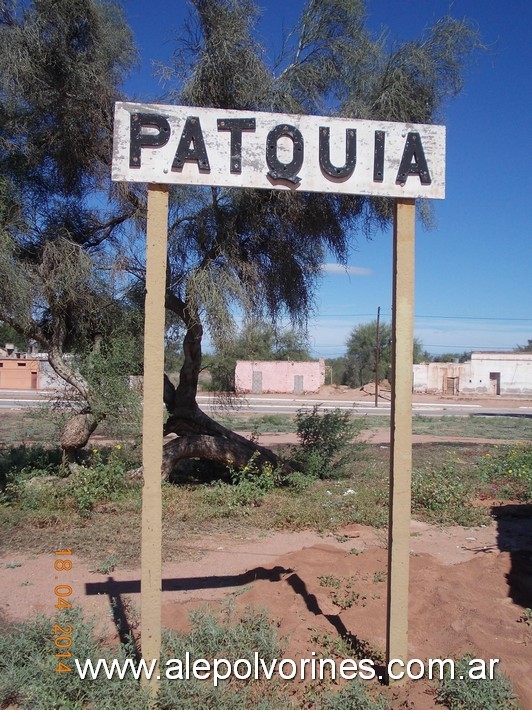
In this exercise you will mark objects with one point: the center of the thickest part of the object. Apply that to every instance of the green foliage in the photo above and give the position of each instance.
(362, 353)
(299, 482)
(326, 442)
(101, 481)
(108, 565)
(444, 494)
(262, 478)
(261, 252)
(28, 676)
(231, 635)
(107, 371)
(249, 485)
(335, 370)
(361, 357)
(526, 617)
(475, 694)
(22, 462)
(9, 335)
(353, 696)
(343, 595)
(509, 469)
(61, 63)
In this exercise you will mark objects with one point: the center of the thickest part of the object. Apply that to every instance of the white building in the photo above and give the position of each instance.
(489, 373)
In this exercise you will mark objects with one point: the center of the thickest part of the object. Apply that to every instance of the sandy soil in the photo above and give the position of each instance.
(468, 590)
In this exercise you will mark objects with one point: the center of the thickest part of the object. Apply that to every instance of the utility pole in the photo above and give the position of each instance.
(377, 353)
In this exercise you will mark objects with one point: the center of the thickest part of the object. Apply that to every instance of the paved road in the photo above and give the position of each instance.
(277, 405)
(284, 405)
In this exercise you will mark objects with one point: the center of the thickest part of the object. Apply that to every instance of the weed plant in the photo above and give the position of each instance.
(464, 693)
(28, 668)
(508, 470)
(28, 676)
(445, 495)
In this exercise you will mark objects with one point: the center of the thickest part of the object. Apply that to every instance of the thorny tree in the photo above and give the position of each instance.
(261, 251)
(61, 62)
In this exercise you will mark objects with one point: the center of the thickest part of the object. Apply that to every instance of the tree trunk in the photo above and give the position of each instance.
(77, 430)
(199, 436)
(214, 448)
(76, 434)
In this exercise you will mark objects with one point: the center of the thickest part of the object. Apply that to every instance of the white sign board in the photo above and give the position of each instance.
(161, 144)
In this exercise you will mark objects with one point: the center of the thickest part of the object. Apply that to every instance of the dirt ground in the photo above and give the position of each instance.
(469, 588)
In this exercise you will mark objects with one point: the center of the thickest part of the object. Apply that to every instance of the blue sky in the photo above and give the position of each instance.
(473, 271)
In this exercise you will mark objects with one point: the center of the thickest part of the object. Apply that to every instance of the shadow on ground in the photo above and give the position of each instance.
(514, 535)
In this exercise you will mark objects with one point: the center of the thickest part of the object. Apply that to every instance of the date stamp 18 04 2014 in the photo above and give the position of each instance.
(63, 633)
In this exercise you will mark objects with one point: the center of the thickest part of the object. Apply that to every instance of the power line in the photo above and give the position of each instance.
(460, 347)
(365, 315)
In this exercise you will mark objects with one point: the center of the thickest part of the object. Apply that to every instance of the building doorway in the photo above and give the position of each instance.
(495, 382)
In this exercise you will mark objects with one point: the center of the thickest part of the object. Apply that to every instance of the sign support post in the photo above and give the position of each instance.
(152, 425)
(184, 145)
(400, 432)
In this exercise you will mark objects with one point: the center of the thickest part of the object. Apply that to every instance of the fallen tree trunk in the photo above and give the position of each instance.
(213, 448)
(198, 435)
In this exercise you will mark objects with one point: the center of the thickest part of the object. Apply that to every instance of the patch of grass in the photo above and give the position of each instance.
(27, 426)
(526, 617)
(444, 494)
(260, 424)
(343, 594)
(353, 697)
(106, 516)
(28, 676)
(346, 646)
(107, 566)
(474, 694)
(329, 580)
(475, 426)
(508, 470)
(28, 666)
(225, 634)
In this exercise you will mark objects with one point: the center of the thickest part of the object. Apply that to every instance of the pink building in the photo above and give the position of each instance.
(280, 376)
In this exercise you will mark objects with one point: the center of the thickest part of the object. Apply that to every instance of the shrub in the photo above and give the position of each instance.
(99, 482)
(252, 482)
(231, 635)
(353, 697)
(249, 485)
(326, 442)
(299, 482)
(20, 463)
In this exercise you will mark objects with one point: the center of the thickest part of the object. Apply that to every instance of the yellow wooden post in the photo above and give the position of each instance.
(401, 433)
(152, 425)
